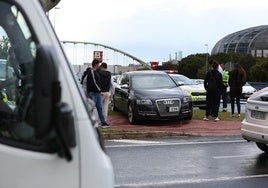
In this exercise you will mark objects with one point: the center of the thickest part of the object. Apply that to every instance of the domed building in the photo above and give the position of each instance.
(253, 41)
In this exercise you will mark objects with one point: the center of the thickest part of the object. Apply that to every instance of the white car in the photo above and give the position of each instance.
(247, 91)
(197, 91)
(255, 125)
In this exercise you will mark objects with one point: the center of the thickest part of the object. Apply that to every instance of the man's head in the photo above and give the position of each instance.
(214, 64)
(222, 65)
(95, 64)
(103, 65)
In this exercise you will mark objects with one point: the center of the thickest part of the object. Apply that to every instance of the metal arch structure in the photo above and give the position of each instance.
(111, 48)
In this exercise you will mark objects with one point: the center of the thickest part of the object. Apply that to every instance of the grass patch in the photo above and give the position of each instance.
(224, 116)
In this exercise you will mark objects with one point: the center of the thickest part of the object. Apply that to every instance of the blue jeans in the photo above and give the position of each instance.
(96, 97)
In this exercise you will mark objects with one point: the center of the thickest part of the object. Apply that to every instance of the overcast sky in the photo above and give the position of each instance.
(153, 29)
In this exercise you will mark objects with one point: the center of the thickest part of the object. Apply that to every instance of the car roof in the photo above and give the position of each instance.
(147, 72)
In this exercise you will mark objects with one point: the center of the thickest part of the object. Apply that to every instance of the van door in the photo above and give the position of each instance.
(26, 160)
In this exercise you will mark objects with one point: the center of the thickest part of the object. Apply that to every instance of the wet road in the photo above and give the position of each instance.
(188, 162)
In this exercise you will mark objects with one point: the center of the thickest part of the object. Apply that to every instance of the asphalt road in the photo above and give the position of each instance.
(188, 162)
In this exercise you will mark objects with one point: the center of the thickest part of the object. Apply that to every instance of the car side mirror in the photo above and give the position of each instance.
(45, 74)
(51, 116)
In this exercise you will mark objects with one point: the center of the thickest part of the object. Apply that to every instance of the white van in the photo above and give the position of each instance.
(48, 137)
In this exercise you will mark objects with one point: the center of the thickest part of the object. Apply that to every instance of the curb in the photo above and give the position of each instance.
(121, 129)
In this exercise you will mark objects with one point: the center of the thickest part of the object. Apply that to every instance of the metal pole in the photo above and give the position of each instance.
(206, 57)
(56, 8)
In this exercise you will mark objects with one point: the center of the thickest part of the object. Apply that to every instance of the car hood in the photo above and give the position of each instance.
(160, 93)
(193, 87)
(261, 95)
(248, 89)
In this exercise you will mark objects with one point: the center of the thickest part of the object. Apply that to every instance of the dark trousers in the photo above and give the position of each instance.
(237, 100)
(213, 103)
(224, 97)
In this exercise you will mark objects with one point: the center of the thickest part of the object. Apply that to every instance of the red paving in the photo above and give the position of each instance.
(192, 127)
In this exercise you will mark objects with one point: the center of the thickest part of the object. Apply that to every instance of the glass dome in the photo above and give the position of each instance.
(253, 41)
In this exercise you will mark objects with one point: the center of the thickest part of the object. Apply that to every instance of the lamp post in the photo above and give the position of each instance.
(206, 57)
(56, 8)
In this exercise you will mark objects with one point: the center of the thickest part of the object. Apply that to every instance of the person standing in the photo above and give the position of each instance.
(84, 80)
(107, 88)
(213, 85)
(236, 81)
(225, 77)
(94, 90)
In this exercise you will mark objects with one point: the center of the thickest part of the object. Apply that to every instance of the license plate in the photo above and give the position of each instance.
(174, 109)
(257, 115)
(201, 99)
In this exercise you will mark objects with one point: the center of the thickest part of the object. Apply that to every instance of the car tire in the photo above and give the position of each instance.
(132, 117)
(263, 147)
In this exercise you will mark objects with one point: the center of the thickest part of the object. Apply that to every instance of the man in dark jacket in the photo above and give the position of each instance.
(107, 87)
(214, 78)
(94, 90)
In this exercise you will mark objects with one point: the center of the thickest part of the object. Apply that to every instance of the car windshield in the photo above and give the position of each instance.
(152, 81)
(182, 79)
(247, 84)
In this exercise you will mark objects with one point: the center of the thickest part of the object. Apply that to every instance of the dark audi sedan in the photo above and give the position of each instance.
(151, 95)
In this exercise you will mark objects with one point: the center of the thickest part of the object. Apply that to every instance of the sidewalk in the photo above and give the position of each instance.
(120, 128)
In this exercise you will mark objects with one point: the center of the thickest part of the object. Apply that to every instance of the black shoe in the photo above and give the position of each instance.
(105, 125)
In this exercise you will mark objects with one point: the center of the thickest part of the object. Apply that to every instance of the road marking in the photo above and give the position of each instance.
(137, 141)
(191, 181)
(230, 156)
(143, 143)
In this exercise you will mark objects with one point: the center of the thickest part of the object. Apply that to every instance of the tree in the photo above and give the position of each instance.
(259, 72)
(192, 64)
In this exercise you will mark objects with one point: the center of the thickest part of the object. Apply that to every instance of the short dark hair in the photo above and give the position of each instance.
(104, 65)
(95, 62)
(215, 64)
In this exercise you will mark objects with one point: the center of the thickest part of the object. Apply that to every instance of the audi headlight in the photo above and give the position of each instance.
(186, 99)
(188, 91)
(144, 102)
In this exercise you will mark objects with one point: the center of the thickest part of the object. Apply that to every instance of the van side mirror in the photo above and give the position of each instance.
(52, 118)
(45, 74)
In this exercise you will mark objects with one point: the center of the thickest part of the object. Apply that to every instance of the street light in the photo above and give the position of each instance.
(206, 58)
(56, 8)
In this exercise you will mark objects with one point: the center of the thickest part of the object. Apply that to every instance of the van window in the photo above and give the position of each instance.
(17, 54)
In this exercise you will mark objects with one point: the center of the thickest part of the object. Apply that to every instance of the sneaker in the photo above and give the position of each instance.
(105, 125)
(216, 119)
(224, 110)
(238, 115)
(232, 115)
(205, 118)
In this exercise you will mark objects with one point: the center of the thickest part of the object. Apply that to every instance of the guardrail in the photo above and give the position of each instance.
(258, 85)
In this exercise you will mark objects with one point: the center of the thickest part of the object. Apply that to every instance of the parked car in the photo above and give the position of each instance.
(151, 95)
(255, 125)
(247, 91)
(197, 91)
(199, 81)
